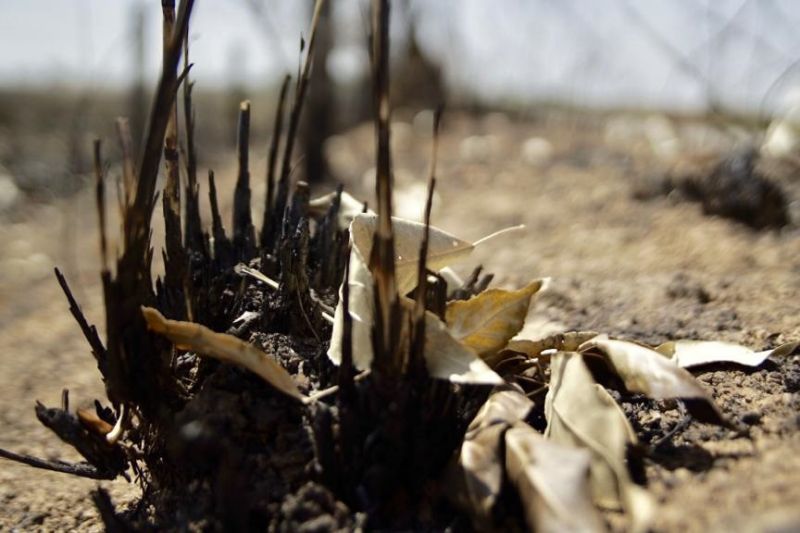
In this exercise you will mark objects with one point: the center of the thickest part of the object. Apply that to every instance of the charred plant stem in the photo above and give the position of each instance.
(76, 469)
(295, 115)
(387, 326)
(272, 165)
(90, 332)
(193, 228)
(100, 195)
(137, 225)
(243, 233)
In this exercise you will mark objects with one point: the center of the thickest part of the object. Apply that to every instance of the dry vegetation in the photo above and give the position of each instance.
(331, 371)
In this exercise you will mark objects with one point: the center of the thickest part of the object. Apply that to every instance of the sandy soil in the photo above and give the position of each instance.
(651, 271)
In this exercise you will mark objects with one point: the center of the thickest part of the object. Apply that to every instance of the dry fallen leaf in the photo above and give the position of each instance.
(686, 353)
(480, 460)
(443, 248)
(445, 357)
(581, 413)
(349, 207)
(200, 339)
(552, 480)
(488, 321)
(541, 349)
(648, 372)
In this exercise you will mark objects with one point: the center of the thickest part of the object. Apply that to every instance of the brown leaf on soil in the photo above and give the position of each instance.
(564, 342)
(552, 480)
(488, 321)
(648, 372)
(687, 353)
(200, 339)
(480, 462)
(581, 413)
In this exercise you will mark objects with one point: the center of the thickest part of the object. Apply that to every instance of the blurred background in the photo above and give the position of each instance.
(68, 68)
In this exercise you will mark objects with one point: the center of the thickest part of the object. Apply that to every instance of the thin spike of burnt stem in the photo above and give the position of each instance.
(171, 200)
(272, 165)
(301, 88)
(193, 226)
(100, 197)
(89, 331)
(128, 170)
(418, 344)
(76, 469)
(217, 229)
(243, 232)
(387, 327)
(137, 224)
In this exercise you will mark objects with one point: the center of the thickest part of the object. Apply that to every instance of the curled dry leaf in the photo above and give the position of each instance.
(687, 354)
(488, 321)
(581, 413)
(445, 357)
(543, 348)
(349, 207)
(200, 339)
(648, 372)
(552, 480)
(480, 461)
(443, 248)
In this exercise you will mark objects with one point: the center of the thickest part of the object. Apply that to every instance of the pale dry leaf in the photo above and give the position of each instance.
(444, 249)
(200, 339)
(445, 357)
(362, 312)
(552, 480)
(488, 321)
(480, 461)
(349, 207)
(648, 372)
(687, 353)
(581, 413)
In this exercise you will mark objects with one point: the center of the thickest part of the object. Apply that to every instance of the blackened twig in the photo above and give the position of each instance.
(267, 228)
(81, 469)
(295, 115)
(89, 332)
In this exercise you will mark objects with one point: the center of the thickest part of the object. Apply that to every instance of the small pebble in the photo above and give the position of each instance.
(751, 418)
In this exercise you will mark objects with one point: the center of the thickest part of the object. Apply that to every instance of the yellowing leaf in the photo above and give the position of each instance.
(447, 358)
(686, 353)
(581, 413)
(648, 372)
(552, 480)
(487, 322)
(200, 339)
(480, 462)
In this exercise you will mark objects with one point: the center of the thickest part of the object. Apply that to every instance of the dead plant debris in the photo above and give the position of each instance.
(417, 408)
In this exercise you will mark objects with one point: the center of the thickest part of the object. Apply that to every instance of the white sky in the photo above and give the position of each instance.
(595, 52)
